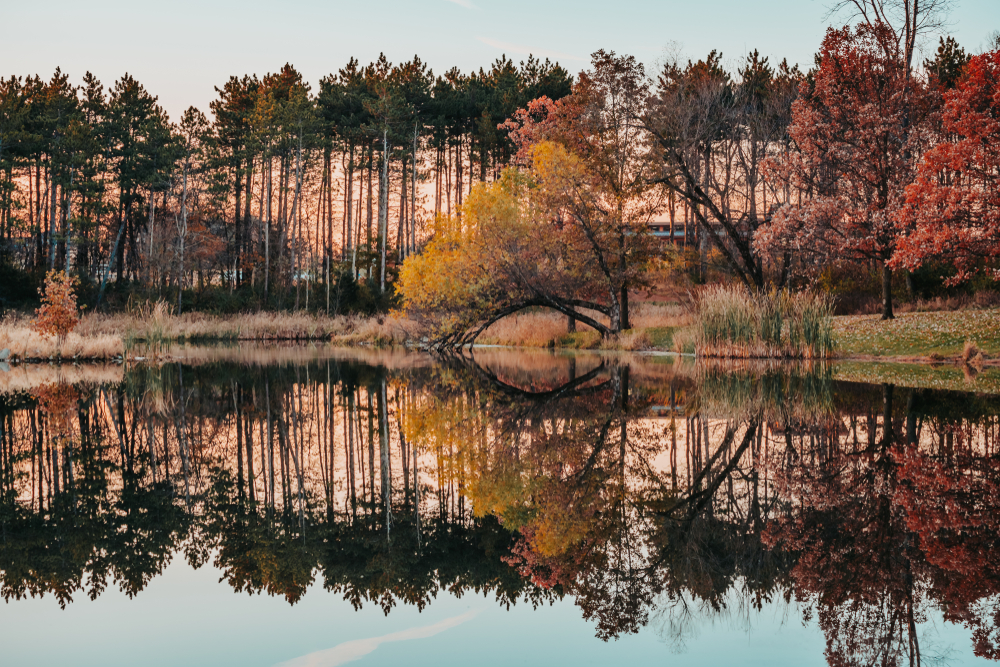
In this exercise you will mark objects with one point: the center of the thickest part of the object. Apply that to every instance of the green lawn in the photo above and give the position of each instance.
(918, 334)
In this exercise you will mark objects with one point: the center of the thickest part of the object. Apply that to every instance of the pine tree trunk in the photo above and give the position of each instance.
(368, 221)
(383, 209)
(412, 245)
(267, 236)
(183, 237)
(402, 233)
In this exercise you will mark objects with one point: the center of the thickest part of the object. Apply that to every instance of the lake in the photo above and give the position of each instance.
(312, 506)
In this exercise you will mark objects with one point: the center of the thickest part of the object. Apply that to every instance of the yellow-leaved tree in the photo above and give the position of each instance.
(541, 237)
(568, 232)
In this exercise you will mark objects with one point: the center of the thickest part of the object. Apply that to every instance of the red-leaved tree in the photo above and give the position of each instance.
(856, 135)
(952, 209)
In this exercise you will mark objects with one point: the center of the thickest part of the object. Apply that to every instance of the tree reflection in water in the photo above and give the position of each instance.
(650, 492)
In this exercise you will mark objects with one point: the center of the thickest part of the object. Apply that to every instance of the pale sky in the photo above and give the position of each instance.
(180, 50)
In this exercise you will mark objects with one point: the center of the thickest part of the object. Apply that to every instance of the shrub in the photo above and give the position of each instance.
(58, 313)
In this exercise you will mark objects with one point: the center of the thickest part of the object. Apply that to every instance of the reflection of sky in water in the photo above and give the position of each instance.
(185, 617)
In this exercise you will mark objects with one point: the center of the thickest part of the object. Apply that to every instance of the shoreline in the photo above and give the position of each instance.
(899, 371)
(933, 339)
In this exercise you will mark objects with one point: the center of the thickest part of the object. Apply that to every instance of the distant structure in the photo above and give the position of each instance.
(679, 233)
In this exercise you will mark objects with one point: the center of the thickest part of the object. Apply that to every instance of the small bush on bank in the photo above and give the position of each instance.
(58, 314)
(734, 323)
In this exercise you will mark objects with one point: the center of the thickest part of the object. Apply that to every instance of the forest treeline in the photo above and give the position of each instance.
(866, 169)
(516, 187)
(283, 184)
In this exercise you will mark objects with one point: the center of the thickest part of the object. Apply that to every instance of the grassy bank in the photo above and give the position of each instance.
(934, 336)
(931, 337)
(105, 337)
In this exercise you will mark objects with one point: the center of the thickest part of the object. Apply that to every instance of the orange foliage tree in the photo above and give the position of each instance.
(953, 207)
(58, 313)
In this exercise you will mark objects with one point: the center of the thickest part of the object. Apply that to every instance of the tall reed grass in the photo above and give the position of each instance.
(776, 391)
(734, 323)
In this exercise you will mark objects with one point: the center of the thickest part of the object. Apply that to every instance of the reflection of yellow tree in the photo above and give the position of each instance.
(566, 467)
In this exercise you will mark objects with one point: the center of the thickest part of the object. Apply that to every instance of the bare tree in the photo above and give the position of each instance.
(714, 135)
(908, 19)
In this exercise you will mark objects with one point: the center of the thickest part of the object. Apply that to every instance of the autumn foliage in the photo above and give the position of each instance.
(58, 314)
(953, 207)
(855, 132)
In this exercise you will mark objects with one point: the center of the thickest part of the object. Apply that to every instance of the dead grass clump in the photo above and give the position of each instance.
(972, 356)
(734, 323)
(632, 340)
(383, 331)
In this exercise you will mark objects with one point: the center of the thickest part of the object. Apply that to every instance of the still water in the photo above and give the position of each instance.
(302, 506)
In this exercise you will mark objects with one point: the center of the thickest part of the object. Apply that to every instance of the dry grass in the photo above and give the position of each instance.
(648, 315)
(25, 343)
(383, 331)
(158, 325)
(199, 326)
(527, 329)
(685, 340)
(149, 331)
(632, 340)
(546, 328)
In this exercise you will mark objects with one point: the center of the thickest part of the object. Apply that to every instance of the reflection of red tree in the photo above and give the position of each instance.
(953, 504)
(855, 561)
(881, 528)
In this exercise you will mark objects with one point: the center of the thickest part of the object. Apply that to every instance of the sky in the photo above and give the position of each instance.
(181, 50)
(193, 618)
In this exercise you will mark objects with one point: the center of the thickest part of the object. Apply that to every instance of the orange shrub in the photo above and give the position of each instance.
(58, 313)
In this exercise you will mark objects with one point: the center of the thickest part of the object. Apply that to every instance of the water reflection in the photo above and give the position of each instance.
(651, 492)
